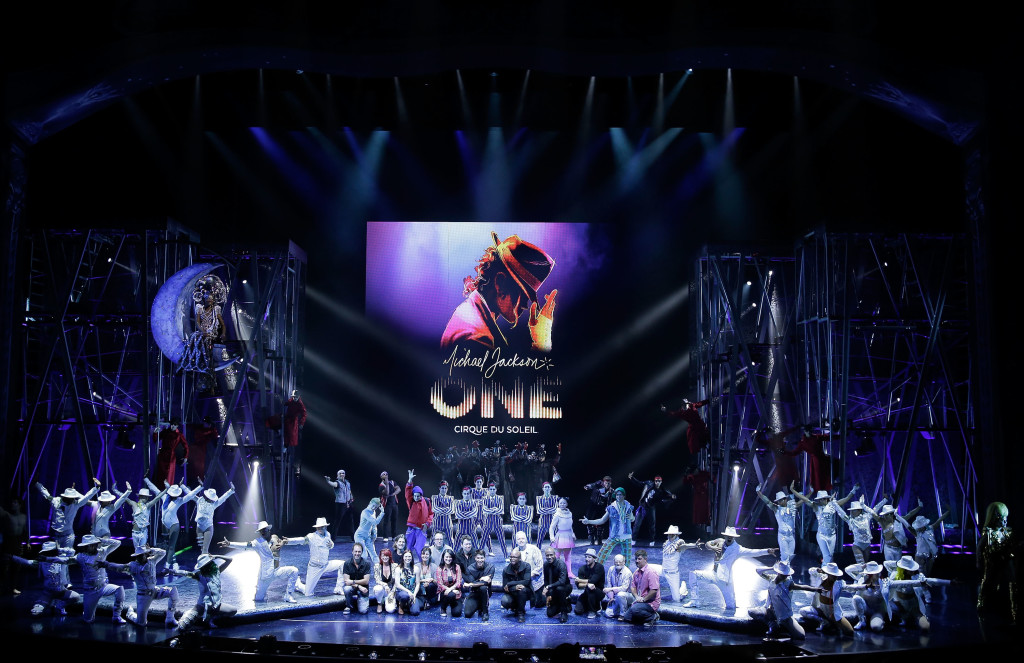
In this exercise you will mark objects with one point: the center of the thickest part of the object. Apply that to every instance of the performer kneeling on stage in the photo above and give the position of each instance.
(320, 543)
(268, 547)
(208, 606)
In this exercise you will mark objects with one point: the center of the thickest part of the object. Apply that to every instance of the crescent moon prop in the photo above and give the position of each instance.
(172, 308)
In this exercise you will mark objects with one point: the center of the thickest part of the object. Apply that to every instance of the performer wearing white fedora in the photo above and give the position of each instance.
(320, 543)
(826, 509)
(671, 551)
(268, 547)
(206, 503)
(727, 551)
(784, 507)
(777, 610)
(825, 611)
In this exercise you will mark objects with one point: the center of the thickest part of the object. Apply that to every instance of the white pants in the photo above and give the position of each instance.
(314, 573)
(827, 545)
(672, 578)
(93, 596)
(289, 574)
(143, 601)
(710, 577)
(619, 604)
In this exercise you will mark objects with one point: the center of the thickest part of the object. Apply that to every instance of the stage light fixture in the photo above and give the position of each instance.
(749, 283)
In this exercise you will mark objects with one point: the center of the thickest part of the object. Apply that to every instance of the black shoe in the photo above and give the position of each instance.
(484, 617)
(563, 618)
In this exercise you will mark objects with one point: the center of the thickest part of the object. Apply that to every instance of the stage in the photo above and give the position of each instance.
(316, 626)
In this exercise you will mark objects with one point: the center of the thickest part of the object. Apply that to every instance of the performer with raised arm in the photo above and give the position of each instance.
(108, 506)
(448, 465)
(547, 504)
(320, 543)
(620, 516)
(206, 503)
(652, 496)
(727, 551)
(142, 511)
(522, 516)
(343, 500)
(826, 509)
(268, 547)
(92, 558)
(466, 511)
(492, 506)
(924, 533)
(671, 552)
(208, 605)
(173, 500)
(444, 507)
(784, 508)
(366, 533)
(894, 537)
(53, 564)
(860, 524)
(63, 510)
(697, 433)
(421, 517)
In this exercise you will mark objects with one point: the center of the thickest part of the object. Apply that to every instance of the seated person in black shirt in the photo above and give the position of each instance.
(355, 580)
(476, 586)
(516, 581)
(590, 578)
(556, 585)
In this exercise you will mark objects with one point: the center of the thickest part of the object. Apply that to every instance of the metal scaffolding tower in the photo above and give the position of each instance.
(886, 359)
(862, 337)
(745, 331)
(94, 385)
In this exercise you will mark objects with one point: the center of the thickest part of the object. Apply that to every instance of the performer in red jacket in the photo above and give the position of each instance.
(421, 517)
(294, 419)
(819, 463)
(173, 447)
(697, 433)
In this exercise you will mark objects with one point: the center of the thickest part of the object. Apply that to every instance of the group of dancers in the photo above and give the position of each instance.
(416, 571)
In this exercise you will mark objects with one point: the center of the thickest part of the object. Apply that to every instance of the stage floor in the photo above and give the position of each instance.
(319, 621)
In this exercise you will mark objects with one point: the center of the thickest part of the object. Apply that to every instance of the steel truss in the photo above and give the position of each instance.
(862, 336)
(91, 371)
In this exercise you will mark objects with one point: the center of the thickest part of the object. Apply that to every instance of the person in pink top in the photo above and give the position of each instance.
(646, 590)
